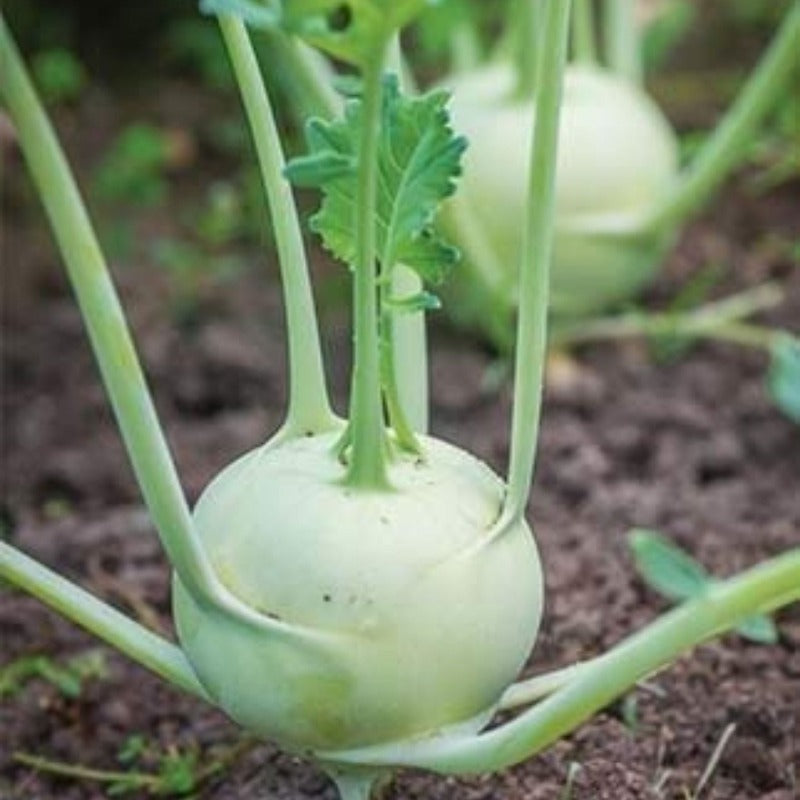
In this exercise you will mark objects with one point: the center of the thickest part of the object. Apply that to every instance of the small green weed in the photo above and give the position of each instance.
(676, 575)
(68, 677)
(158, 773)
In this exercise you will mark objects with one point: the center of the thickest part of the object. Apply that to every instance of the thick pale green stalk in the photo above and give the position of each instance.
(623, 49)
(367, 467)
(763, 588)
(309, 407)
(408, 340)
(584, 49)
(410, 353)
(106, 325)
(724, 148)
(534, 278)
(140, 644)
(525, 24)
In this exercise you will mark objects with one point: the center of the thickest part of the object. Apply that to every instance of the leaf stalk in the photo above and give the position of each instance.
(367, 467)
(534, 270)
(309, 407)
(105, 322)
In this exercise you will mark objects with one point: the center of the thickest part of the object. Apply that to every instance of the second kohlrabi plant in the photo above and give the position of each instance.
(355, 590)
(621, 192)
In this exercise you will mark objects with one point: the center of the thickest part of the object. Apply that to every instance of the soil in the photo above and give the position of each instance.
(691, 447)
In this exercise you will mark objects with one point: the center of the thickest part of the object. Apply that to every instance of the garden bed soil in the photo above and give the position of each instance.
(692, 448)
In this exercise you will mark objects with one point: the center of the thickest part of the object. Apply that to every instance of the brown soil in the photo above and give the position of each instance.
(692, 448)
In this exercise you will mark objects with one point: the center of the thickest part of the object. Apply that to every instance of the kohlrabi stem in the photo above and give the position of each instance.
(357, 784)
(719, 320)
(526, 692)
(770, 584)
(403, 378)
(121, 632)
(766, 587)
(409, 353)
(724, 148)
(309, 407)
(390, 373)
(623, 48)
(534, 269)
(106, 325)
(525, 24)
(308, 76)
(367, 467)
(584, 47)
(407, 345)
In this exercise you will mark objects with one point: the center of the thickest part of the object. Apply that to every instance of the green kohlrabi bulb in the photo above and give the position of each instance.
(617, 158)
(428, 619)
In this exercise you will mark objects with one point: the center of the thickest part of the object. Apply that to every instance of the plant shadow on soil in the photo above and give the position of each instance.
(692, 448)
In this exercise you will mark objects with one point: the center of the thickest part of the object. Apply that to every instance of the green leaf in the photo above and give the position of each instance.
(783, 377)
(319, 168)
(676, 575)
(352, 30)
(666, 568)
(419, 159)
(758, 628)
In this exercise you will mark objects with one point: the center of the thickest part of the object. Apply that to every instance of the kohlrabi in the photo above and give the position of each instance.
(618, 158)
(621, 192)
(356, 590)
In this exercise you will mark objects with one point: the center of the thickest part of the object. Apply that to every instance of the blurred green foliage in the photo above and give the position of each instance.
(664, 32)
(59, 76)
(132, 169)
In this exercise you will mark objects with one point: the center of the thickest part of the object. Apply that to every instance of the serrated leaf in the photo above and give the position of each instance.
(419, 159)
(319, 168)
(783, 377)
(666, 568)
(429, 256)
(758, 628)
(351, 30)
